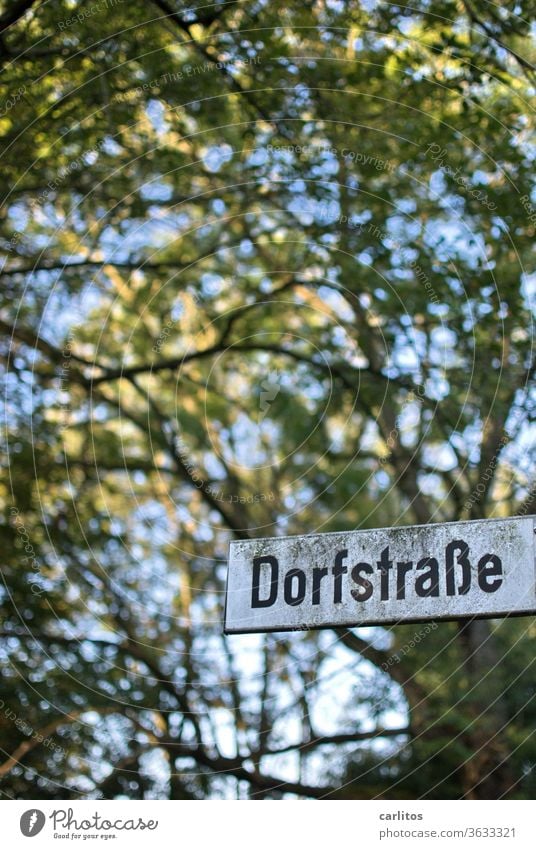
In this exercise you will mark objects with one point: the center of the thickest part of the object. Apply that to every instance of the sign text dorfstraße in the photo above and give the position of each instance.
(389, 575)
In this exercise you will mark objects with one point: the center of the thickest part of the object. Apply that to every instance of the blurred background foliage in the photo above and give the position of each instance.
(265, 270)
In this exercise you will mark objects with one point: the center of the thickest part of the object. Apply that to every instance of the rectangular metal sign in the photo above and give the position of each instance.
(390, 575)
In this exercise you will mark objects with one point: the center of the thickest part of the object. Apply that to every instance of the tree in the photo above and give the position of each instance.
(265, 271)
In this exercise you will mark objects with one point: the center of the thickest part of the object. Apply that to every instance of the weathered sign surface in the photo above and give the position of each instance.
(441, 571)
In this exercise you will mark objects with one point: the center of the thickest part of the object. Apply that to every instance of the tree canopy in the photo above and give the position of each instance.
(267, 269)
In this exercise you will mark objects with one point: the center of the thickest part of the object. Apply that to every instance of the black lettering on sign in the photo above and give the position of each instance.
(290, 597)
(384, 566)
(318, 574)
(489, 566)
(386, 578)
(463, 561)
(427, 584)
(256, 600)
(338, 571)
(402, 571)
(367, 587)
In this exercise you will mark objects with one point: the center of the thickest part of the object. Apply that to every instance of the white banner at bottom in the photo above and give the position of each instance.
(370, 824)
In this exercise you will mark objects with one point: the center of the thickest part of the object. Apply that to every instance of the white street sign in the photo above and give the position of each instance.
(406, 574)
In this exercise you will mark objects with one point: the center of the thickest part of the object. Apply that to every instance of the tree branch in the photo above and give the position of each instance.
(15, 11)
(338, 739)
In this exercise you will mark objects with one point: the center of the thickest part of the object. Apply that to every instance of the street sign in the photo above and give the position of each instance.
(386, 576)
